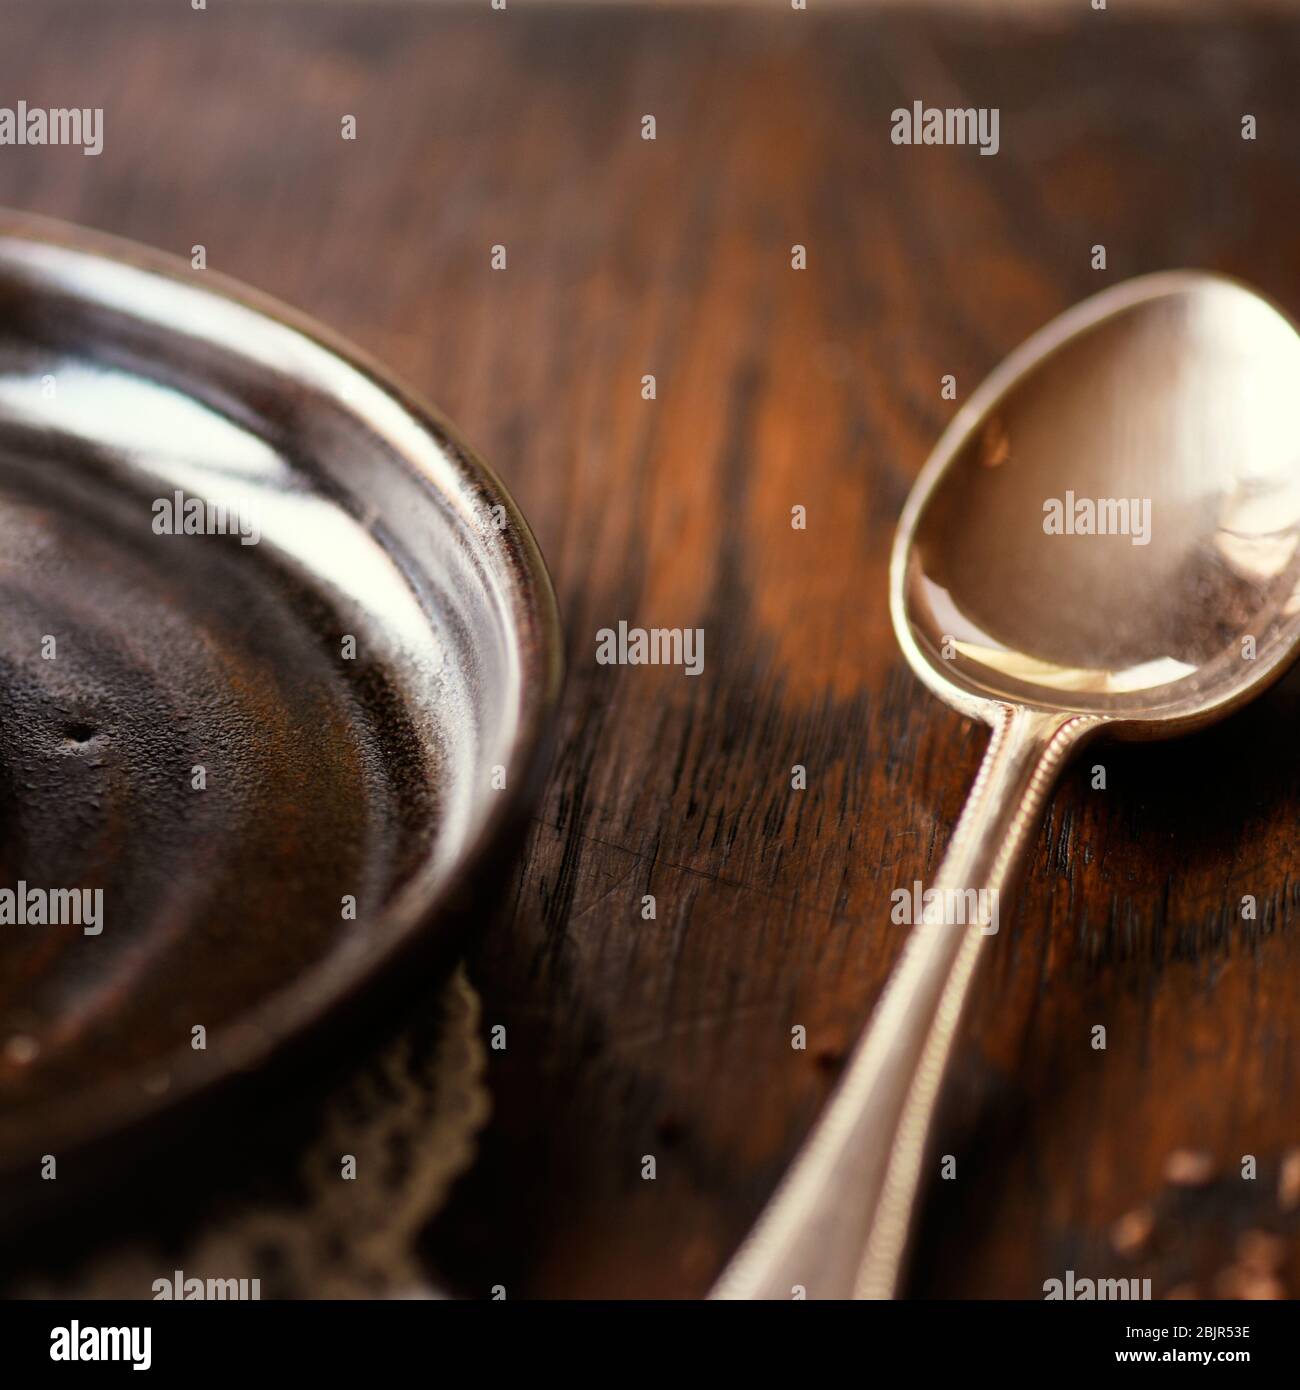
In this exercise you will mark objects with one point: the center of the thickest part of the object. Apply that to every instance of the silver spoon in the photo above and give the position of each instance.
(1106, 540)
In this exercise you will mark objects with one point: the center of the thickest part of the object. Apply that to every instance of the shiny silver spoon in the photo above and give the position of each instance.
(1106, 539)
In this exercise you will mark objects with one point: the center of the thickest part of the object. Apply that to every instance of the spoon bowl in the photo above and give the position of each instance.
(1110, 526)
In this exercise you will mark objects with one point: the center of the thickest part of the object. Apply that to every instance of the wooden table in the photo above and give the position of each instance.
(775, 388)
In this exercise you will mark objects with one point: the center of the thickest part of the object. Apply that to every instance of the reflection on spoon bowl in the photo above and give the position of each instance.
(1118, 533)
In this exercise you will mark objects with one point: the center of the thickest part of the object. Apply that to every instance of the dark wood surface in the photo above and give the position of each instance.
(775, 388)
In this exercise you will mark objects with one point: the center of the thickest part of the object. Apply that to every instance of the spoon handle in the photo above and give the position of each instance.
(838, 1224)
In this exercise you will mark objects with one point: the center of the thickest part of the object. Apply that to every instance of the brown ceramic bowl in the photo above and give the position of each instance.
(231, 737)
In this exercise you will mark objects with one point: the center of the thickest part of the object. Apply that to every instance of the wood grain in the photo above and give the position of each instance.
(776, 388)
